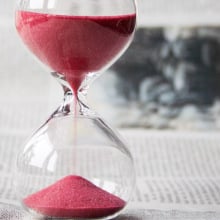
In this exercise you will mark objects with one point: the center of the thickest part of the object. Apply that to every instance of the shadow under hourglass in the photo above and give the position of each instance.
(10, 212)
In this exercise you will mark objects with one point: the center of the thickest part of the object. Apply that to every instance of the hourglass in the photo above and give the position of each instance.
(75, 166)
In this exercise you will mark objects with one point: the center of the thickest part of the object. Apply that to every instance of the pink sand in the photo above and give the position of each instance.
(74, 196)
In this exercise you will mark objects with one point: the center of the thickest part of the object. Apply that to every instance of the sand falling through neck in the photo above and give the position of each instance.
(74, 197)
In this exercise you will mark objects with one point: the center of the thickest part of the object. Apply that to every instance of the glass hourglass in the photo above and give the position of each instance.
(75, 166)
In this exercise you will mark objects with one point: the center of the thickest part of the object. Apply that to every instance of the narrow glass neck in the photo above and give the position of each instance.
(74, 102)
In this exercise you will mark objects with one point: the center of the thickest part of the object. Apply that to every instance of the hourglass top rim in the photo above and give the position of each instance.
(92, 8)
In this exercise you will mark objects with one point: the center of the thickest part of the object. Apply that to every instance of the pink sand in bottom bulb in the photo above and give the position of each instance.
(74, 197)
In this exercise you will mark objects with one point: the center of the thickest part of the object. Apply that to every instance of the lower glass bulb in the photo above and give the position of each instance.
(75, 167)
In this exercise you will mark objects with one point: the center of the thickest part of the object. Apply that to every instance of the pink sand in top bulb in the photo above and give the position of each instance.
(75, 45)
(74, 197)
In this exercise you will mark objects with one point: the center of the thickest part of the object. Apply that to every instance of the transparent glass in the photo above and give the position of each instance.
(75, 166)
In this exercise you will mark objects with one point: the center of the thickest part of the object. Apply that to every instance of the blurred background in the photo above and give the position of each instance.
(169, 78)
